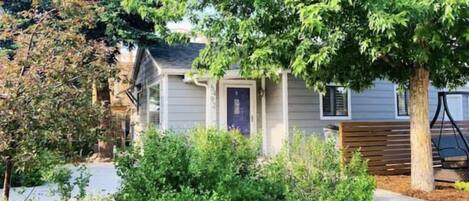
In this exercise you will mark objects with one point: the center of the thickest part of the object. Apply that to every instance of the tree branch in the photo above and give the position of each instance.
(30, 44)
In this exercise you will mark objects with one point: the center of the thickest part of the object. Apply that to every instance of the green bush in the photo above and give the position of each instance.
(27, 178)
(220, 165)
(310, 168)
(31, 174)
(463, 186)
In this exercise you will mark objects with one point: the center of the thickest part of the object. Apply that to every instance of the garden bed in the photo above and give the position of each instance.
(401, 184)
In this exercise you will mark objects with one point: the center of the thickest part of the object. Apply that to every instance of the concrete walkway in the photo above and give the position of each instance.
(385, 195)
(104, 181)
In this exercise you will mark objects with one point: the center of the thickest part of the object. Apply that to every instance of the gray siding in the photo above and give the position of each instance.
(376, 103)
(147, 74)
(186, 104)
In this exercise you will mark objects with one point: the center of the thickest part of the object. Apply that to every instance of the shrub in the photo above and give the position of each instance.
(311, 169)
(203, 165)
(61, 176)
(463, 186)
(220, 165)
(31, 173)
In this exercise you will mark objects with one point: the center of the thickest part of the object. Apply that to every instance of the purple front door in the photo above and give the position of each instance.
(238, 109)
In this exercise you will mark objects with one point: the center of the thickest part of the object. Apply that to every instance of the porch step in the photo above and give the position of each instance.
(454, 162)
(451, 175)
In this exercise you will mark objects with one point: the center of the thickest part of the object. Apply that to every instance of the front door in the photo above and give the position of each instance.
(238, 109)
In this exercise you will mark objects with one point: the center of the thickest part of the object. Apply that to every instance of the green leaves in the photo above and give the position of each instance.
(385, 23)
(49, 82)
(210, 164)
(337, 41)
(158, 12)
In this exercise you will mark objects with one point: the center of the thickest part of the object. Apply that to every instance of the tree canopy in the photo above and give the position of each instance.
(46, 86)
(346, 42)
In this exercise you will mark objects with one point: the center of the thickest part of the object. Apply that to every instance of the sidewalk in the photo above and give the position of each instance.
(385, 195)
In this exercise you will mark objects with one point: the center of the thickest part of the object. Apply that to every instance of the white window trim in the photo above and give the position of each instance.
(157, 82)
(349, 107)
(251, 84)
(396, 110)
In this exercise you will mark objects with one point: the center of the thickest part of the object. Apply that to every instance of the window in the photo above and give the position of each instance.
(154, 105)
(402, 103)
(335, 103)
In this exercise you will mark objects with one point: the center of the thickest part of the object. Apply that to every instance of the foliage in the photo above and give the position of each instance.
(82, 181)
(96, 198)
(203, 165)
(311, 168)
(160, 13)
(219, 165)
(61, 175)
(463, 186)
(30, 174)
(345, 42)
(116, 25)
(46, 87)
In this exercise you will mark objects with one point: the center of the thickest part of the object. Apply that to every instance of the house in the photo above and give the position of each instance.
(170, 99)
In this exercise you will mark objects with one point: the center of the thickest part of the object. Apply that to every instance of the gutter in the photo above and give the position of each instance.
(209, 118)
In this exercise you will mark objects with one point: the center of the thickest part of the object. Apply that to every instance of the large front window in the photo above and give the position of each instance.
(335, 102)
(154, 105)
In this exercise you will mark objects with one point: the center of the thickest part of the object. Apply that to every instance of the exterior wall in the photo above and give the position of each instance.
(275, 134)
(465, 102)
(376, 103)
(147, 74)
(186, 104)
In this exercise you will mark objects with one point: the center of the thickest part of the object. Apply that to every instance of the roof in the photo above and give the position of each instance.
(178, 56)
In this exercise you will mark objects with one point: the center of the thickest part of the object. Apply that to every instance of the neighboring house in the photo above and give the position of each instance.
(121, 106)
(169, 99)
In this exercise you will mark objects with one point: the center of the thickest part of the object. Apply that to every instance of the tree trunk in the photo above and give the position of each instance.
(7, 179)
(105, 145)
(420, 139)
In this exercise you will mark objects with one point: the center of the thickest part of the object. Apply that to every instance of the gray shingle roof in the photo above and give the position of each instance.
(176, 56)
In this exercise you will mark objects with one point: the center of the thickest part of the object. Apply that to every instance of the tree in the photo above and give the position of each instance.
(347, 42)
(122, 25)
(48, 69)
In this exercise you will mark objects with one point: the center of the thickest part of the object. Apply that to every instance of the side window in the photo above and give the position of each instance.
(154, 105)
(402, 103)
(335, 103)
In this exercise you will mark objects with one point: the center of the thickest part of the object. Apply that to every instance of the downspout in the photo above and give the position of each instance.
(210, 101)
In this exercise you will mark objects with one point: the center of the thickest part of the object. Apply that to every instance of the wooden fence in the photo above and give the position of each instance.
(386, 145)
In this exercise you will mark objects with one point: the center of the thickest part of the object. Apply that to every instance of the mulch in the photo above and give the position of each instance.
(401, 184)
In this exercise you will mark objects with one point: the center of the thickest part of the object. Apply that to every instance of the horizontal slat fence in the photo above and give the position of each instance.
(386, 145)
